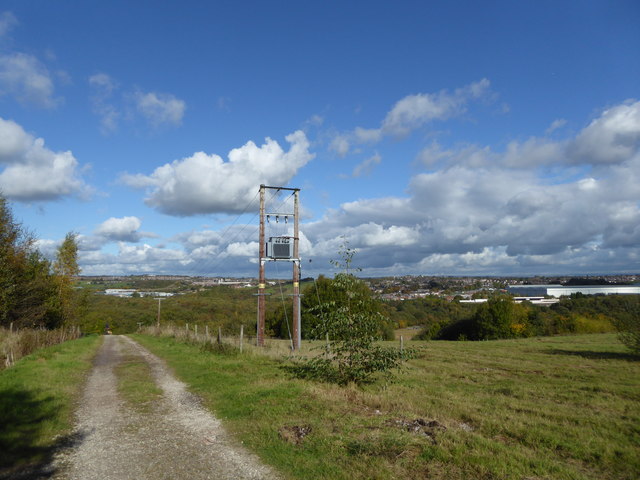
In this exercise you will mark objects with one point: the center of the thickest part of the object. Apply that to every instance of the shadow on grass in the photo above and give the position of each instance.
(597, 355)
(23, 453)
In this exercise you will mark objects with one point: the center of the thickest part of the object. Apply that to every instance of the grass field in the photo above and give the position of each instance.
(37, 398)
(541, 408)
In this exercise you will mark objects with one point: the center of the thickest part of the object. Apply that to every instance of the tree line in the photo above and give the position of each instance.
(34, 292)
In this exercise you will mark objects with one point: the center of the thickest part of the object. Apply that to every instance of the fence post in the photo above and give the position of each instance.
(219, 335)
(241, 336)
(401, 344)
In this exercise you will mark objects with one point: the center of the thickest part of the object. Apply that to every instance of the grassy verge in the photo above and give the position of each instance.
(542, 408)
(37, 398)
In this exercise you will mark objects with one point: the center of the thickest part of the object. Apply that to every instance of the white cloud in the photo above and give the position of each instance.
(125, 229)
(527, 208)
(340, 144)
(207, 184)
(160, 108)
(556, 125)
(611, 138)
(413, 112)
(113, 105)
(7, 22)
(367, 135)
(367, 166)
(314, 121)
(23, 76)
(27, 79)
(104, 86)
(32, 171)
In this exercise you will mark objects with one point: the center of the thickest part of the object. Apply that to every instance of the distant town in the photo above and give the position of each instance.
(405, 287)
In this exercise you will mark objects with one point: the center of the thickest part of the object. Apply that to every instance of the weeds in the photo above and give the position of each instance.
(15, 344)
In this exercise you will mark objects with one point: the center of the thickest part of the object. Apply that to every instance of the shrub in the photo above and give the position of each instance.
(627, 323)
(353, 325)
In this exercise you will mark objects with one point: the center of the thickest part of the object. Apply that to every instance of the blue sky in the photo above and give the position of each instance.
(436, 138)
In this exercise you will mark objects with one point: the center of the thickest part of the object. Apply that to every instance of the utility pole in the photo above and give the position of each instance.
(279, 243)
(261, 276)
(158, 320)
(296, 276)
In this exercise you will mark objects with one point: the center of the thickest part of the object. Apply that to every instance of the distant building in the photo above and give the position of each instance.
(128, 292)
(560, 291)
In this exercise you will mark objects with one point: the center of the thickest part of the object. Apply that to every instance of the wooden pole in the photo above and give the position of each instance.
(261, 276)
(241, 336)
(296, 275)
(158, 320)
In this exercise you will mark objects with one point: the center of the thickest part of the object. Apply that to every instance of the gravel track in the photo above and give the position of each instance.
(178, 439)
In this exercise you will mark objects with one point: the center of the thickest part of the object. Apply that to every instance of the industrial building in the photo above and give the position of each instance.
(559, 290)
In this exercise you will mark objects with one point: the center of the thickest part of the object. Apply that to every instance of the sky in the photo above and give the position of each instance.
(494, 138)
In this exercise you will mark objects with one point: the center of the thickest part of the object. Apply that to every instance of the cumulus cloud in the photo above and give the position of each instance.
(204, 252)
(206, 183)
(125, 229)
(611, 138)
(160, 108)
(482, 211)
(413, 112)
(32, 172)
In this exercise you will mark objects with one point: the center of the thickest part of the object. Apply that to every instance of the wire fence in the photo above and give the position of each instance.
(241, 342)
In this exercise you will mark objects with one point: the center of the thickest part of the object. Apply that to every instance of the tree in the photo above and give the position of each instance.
(627, 322)
(352, 325)
(27, 288)
(66, 264)
(345, 290)
(66, 268)
(500, 317)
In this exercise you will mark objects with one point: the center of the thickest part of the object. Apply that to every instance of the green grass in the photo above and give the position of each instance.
(37, 398)
(541, 408)
(135, 383)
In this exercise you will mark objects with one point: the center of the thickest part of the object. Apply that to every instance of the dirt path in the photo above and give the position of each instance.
(178, 439)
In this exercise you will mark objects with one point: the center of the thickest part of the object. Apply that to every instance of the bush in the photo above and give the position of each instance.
(628, 323)
(352, 324)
